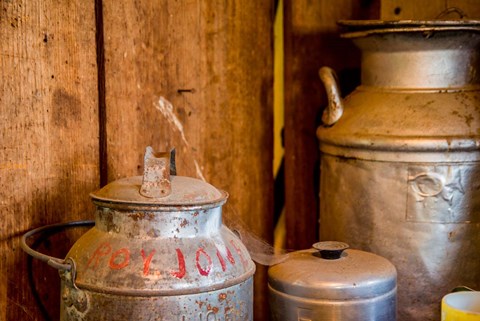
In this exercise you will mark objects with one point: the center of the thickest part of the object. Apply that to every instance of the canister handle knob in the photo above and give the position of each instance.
(334, 110)
(331, 250)
(156, 174)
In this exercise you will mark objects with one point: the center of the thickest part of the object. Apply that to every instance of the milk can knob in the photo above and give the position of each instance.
(156, 174)
(330, 250)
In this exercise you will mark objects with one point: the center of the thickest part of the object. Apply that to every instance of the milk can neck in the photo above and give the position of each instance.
(159, 224)
(419, 61)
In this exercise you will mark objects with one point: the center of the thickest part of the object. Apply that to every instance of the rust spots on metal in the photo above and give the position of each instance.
(222, 296)
(213, 309)
(156, 175)
(184, 223)
(139, 216)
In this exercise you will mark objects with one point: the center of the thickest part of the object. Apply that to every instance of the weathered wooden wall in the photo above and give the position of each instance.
(428, 9)
(195, 75)
(48, 139)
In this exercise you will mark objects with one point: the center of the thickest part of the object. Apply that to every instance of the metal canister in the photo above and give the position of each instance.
(400, 163)
(331, 282)
(158, 251)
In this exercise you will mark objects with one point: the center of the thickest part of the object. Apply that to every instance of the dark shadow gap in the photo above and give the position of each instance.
(102, 110)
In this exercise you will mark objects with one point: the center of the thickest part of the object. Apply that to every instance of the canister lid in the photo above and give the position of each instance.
(364, 24)
(362, 28)
(184, 191)
(158, 187)
(354, 274)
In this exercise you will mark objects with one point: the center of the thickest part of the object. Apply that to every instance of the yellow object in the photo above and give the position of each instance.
(278, 89)
(461, 306)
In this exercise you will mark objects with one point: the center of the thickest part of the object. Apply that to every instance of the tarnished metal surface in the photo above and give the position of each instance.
(229, 303)
(428, 60)
(156, 254)
(186, 193)
(406, 126)
(155, 257)
(334, 110)
(400, 170)
(362, 28)
(156, 174)
(382, 24)
(351, 286)
(377, 211)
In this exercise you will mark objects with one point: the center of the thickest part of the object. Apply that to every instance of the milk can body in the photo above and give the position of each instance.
(400, 171)
(161, 258)
(351, 286)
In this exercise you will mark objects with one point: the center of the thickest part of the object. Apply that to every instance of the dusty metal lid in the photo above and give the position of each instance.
(342, 274)
(370, 24)
(185, 191)
(362, 28)
(158, 188)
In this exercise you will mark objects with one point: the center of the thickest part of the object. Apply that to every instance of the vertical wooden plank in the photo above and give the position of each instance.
(196, 75)
(312, 41)
(48, 141)
(471, 8)
(429, 9)
(411, 10)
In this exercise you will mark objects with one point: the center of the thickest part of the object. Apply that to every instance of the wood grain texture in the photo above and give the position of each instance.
(411, 10)
(311, 41)
(471, 8)
(197, 76)
(429, 9)
(48, 141)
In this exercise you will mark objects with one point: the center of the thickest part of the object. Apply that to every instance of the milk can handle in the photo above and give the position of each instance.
(445, 12)
(334, 110)
(57, 263)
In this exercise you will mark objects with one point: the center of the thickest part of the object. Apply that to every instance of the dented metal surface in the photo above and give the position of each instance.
(400, 170)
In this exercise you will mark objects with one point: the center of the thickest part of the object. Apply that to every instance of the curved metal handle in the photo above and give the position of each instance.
(449, 10)
(334, 110)
(57, 263)
(461, 288)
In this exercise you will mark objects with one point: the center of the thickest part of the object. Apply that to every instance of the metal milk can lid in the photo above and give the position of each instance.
(157, 188)
(331, 271)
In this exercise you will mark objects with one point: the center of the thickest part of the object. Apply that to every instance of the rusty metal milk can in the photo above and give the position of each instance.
(400, 164)
(158, 251)
(331, 282)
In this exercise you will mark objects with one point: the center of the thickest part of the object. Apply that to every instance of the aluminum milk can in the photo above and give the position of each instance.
(331, 282)
(400, 164)
(158, 251)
